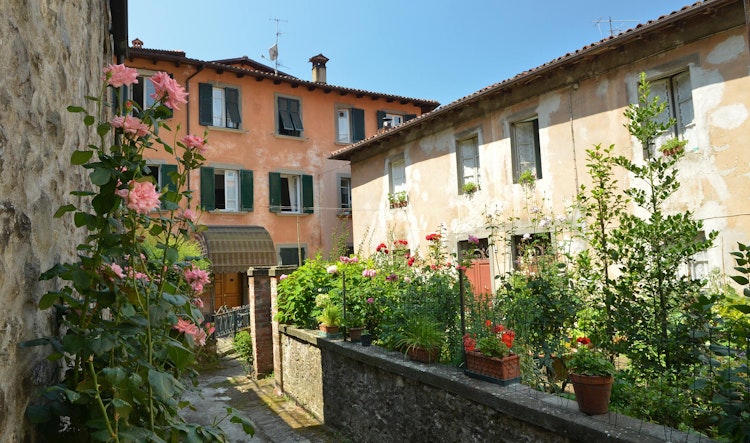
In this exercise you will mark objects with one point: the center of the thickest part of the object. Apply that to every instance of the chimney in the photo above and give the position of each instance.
(319, 68)
(137, 43)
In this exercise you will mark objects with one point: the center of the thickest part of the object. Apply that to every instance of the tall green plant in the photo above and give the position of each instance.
(130, 321)
(649, 247)
(600, 206)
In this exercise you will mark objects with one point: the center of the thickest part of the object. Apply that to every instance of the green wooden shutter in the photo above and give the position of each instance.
(166, 177)
(274, 192)
(246, 190)
(380, 115)
(307, 194)
(205, 104)
(286, 119)
(233, 105)
(294, 113)
(408, 117)
(208, 192)
(138, 92)
(358, 124)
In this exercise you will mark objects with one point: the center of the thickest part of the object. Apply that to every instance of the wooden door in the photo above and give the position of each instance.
(479, 276)
(228, 290)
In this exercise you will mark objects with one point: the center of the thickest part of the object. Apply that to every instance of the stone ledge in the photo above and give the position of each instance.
(541, 410)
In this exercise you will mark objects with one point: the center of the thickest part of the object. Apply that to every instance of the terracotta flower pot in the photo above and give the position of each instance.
(592, 393)
(355, 334)
(329, 330)
(502, 371)
(422, 355)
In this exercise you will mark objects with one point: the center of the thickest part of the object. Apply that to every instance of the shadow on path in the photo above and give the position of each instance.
(275, 418)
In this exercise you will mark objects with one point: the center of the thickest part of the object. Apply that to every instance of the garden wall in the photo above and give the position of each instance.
(53, 52)
(374, 395)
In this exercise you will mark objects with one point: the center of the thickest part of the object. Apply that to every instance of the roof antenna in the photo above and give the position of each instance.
(612, 30)
(273, 51)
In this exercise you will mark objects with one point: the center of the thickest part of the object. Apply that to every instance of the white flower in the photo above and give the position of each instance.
(526, 236)
(332, 269)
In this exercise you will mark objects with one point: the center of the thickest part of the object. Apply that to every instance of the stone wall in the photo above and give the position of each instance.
(373, 395)
(52, 53)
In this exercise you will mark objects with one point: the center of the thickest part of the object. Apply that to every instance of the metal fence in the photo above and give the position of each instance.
(229, 321)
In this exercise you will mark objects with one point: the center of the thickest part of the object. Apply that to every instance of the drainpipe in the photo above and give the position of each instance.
(187, 117)
(747, 22)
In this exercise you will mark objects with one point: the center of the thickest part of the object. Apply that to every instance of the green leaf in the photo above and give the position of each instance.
(745, 309)
(163, 385)
(174, 299)
(89, 120)
(76, 109)
(115, 376)
(48, 300)
(103, 129)
(73, 344)
(101, 344)
(35, 342)
(64, 209)
(100, 176)
(247, 425)
(81, 157)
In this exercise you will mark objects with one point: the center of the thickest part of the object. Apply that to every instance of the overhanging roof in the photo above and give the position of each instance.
(237, 248)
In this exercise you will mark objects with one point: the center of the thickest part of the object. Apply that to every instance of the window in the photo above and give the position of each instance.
(529, 250)
(226, 189)
(345, 195)
(141, 94)
(350, 125)
(290, 117)
(219, 107)
(676, 91)
(697, 267)
(468, 161)
(292, 255)
(397, 175)
(162, 179)
(290, 193)
(525, 149)
(390, 119)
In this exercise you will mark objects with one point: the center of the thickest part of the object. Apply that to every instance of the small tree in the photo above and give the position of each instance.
(651, 298)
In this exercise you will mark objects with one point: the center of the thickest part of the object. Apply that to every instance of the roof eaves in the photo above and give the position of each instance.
(600, 46)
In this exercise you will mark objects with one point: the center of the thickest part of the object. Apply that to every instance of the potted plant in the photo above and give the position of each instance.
(330, 319)
(673, 146)
(398, 199)
(490, 357)
(366, 338)
(527, 178)
(421, 339)
(592, 374)
(469, 188)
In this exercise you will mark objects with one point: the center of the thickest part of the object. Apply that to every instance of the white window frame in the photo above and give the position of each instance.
(293, 191)
(518, 145)
(219, 107)
(343, 125)
(231, 179)
(345, 194)
(395, 119)
(467, 153)
(397, 175)
(677, 92)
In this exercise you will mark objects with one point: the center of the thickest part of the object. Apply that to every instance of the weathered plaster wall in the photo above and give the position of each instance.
(52, 53)
(714, 173)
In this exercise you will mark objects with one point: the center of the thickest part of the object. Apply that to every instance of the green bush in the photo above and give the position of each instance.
(243, 346)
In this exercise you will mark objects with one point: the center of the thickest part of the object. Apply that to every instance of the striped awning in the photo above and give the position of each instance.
(237, 248)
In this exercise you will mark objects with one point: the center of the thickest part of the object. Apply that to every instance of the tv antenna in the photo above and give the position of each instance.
(273, 51)
(613, 30)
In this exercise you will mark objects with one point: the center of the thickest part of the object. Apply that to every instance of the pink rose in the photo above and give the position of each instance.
(194, 142)
(168, 90)
(133, 127)
(141, 197)
(117, 269)
(197, 278)
(189, 214)
(120, 75)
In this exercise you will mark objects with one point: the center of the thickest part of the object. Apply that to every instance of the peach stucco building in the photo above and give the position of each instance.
(270, 194)
(543, 120)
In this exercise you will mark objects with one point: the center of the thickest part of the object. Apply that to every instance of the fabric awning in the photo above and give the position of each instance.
(236, 248)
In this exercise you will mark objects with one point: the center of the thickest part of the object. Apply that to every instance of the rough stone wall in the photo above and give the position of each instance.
(51, 53)
(369, 394)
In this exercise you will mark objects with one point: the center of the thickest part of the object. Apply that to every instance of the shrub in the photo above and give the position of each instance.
(243, 346)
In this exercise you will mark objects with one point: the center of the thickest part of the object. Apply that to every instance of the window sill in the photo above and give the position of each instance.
(225, 212)
(223, 129)
(289, 137)
(287, 214)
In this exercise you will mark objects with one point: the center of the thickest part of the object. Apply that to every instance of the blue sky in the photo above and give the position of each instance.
(440, 49)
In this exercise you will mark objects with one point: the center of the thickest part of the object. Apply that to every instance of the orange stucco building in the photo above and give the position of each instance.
(270, 194)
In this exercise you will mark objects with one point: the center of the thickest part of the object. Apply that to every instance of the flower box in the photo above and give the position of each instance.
(503, 371)
(422, 355)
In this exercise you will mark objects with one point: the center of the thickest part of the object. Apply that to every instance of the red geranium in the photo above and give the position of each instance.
(382, 248)
(433, 237)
